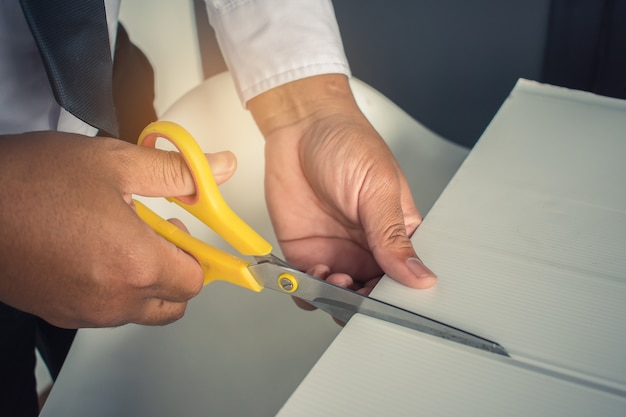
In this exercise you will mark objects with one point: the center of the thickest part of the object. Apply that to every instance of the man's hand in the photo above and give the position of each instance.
(340, 205)
(72, 249)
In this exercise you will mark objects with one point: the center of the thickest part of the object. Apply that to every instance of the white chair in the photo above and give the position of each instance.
(213, 114)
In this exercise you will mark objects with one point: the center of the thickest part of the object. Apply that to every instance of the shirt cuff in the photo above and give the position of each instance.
(267, 43)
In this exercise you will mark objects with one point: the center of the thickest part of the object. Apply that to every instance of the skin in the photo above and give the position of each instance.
(74, 252)
(339, 203)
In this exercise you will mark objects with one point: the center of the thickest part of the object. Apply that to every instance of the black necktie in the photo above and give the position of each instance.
(73, 39)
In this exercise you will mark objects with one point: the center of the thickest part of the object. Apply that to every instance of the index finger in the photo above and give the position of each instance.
(176, 275)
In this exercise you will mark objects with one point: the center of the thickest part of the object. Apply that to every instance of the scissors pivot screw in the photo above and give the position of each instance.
(287, 282)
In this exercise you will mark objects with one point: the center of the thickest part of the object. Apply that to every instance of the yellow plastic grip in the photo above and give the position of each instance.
(216, 264)
(207, 204)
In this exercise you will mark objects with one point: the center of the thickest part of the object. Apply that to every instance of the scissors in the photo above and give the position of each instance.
(267, 270)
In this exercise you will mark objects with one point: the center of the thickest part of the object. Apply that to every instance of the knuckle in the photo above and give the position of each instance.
(196, 287)
(389, 235)
(175, 172)
(395, 235)
(166, 313)
(178, 312)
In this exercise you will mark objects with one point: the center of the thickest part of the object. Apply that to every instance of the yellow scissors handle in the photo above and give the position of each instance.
(208, 205)
(216, 264)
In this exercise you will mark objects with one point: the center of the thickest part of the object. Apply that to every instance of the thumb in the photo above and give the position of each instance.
(158, 173)
(386, 225)
(223, 165)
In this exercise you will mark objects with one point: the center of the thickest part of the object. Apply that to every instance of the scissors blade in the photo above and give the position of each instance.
(342, 304)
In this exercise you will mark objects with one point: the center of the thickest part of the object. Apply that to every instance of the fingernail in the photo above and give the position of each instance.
(418, 269)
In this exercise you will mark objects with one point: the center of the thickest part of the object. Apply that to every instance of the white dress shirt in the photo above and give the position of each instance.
(265, 43)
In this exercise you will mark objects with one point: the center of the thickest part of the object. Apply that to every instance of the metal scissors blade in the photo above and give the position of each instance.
(208, 205)
(342, 303)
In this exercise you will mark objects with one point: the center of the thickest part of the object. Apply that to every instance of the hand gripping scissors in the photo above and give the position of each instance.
(267, 270)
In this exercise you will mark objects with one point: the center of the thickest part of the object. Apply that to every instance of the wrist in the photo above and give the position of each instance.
(301, 101)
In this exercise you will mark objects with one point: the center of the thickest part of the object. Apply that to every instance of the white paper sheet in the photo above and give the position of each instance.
(528, 240)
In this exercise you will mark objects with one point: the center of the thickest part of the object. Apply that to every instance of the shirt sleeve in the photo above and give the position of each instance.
(267, 43)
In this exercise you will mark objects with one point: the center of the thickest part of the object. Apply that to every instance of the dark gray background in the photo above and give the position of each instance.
(451, 63)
